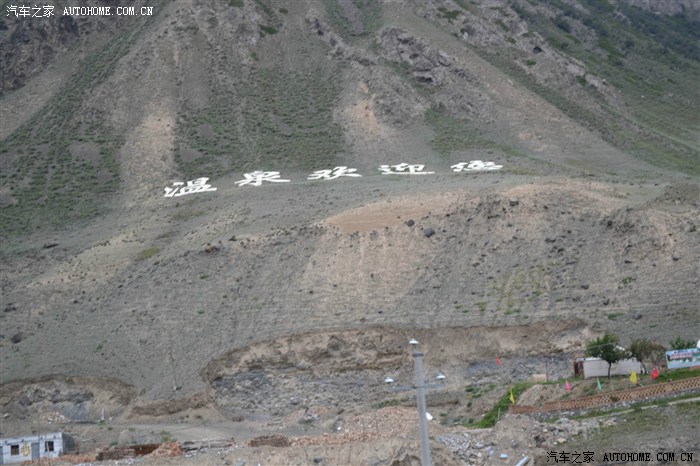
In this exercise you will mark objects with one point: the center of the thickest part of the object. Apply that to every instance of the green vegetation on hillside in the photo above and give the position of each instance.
(63, 160)
(453, 134)
(501, 407)
(274, 119)
(652, 60)
(354, 19)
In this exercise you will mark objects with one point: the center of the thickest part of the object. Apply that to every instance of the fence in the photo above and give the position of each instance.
(632, 394)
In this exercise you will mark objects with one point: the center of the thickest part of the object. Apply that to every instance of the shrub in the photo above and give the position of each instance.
(146, 253)
(268, 29)
(562, 24)
(679, 344)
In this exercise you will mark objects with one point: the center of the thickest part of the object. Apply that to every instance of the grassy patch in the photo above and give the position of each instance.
(275, 118)
(640, 427)
(363, 19)
(625, 282)
(451, 133)
(501, 407)
(146, 253)
(187, 214)
(679, 374)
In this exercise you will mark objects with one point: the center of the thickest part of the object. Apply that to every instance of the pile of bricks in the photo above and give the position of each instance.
(167, 450)
(270, 440)
(115, 454)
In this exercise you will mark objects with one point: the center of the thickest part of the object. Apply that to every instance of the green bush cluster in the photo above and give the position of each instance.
(369, 19)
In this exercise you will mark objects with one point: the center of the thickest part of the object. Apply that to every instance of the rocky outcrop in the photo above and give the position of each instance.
(427, 64)
(30, 44)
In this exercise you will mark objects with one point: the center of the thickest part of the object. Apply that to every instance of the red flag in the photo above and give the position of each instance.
(567, 387)
(498, 361)
(655, 373)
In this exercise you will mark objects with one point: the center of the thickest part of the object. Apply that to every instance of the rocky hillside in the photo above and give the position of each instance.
(590, 224)
(233, 86)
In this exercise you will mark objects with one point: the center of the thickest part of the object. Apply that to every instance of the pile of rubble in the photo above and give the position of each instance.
(167, 450)
(330, 439)
(517, 437)
(550, 434)
(466, 448)
(384, 423)
(71, 459)
(53, 417)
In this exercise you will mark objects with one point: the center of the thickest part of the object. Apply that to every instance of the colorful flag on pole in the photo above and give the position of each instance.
(512, 398)
(567, 387)
(600, 387)
(633, 377)
(498, 361)
(655, 373)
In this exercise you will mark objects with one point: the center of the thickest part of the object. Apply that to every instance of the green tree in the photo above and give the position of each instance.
(680, 343)
(647, 350)
(607, 349)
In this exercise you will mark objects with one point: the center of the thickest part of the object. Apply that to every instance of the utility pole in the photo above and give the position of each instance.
(420, 398)
(38, 433)
(420, 386)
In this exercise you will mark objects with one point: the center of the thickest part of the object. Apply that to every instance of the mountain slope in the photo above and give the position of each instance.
(240, 86)
(591, 224)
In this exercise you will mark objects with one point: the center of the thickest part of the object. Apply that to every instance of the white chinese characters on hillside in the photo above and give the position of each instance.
(195, 186)
(403, 169)
(475, 166)
(337, 172)
(257, 177)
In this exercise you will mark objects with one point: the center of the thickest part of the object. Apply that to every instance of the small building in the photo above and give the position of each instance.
(33, 447)
(596, 367)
